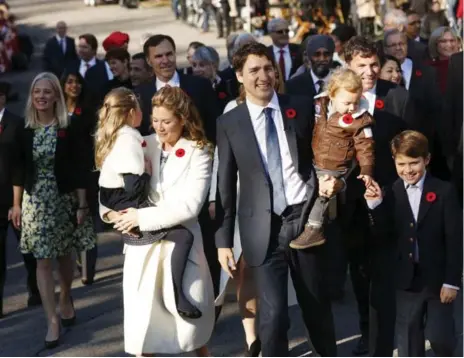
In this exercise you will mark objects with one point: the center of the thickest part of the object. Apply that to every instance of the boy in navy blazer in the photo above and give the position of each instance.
(422, 217)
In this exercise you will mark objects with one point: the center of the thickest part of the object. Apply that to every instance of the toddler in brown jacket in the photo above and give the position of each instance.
(342, 137)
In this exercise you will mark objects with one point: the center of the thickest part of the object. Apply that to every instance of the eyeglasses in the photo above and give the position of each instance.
(282, 32)
(399, 44)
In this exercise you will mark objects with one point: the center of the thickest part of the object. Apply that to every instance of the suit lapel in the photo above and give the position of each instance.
(289, 127)
(415, 74)
(380, 97)
(425, 202)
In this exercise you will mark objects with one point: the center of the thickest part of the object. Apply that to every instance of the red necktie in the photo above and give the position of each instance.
(282, 64)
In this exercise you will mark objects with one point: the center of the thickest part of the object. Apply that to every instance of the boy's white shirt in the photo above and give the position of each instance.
(126, 157)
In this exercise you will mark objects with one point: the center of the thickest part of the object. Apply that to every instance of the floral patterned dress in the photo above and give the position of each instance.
(49, 225)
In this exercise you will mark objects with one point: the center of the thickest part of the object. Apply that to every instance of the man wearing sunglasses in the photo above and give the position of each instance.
(286, 55)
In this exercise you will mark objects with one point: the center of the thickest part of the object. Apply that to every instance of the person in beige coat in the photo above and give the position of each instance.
(366, 15)
(180, 159)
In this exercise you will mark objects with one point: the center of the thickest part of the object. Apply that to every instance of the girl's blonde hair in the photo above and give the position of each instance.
(60, 112)
(343, 78)
(179, 103)
(112, 116)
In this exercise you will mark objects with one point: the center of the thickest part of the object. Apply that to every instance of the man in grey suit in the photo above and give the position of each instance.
(266, 142)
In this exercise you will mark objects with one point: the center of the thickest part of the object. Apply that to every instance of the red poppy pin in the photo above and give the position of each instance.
(1, 128)
(180, 153)
(379, 104)
(290, 113)
(144, 144)
(222, 95)
(347, 119)
(61, 133)
(418, 73)
(430, 197)
(78, 111)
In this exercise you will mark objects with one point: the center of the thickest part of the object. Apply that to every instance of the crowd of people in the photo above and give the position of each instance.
(298, 162)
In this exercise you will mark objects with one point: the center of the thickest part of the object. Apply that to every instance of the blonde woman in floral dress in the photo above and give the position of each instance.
(50, 204)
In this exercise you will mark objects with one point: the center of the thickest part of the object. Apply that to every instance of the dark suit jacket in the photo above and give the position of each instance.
(417, 51)
(96, 78)
(438, 233)
(9, 126)
(239, 156)
(294, 54)
(302, 85)
(232, 84)
(200, 91)
(223, 95)
(451, 121)
(53, 58)
(70, 161)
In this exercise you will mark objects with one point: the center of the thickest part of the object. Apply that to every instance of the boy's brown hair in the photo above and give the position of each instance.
(411, 144)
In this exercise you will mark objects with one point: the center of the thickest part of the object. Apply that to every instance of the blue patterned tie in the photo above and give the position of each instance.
(274, 164)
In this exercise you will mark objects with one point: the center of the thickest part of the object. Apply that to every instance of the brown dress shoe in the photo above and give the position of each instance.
(310, 237)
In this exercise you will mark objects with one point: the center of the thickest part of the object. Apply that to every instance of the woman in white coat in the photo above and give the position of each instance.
(180, 158)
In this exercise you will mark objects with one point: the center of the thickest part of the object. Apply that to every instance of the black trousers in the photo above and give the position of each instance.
(271, 279)
(29, 261)
(223, 19)
(421, 315)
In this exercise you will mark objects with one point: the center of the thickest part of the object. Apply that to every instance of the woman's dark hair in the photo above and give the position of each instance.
(76, 73)
(118, 54)
(383, 59)
(252, 48)
(155, 40)
(195, 45)
(344, 32)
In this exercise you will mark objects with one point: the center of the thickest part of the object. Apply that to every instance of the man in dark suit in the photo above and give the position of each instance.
(370, 264)
(319, 49)
(421, 82)
(95, 72)
(286, 55)
(266, 142)
(421, 215)
(9, 124)
(60, 51)
(160, 51)
(451, 121)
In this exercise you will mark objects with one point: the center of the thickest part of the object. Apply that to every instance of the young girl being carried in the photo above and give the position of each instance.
(125, 180)
(342, 135)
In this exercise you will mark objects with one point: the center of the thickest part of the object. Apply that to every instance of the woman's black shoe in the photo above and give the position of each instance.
(190, 314)
(362, 347)
(52, 344)
(68, 322)
(254, 350)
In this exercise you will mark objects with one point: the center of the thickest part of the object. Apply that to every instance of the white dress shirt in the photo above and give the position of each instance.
(84, 66)
(315, 79)
(1, 114)
(414, 193)
(62, 44)
(370, 97)
(173, 82)
(287, 58)
(295, 188)
(406, 67)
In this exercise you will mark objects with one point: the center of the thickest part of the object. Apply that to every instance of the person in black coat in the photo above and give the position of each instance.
(59, 51)
(370, 264)
(119, 62)
(420, 216)
(286, 55)
(161, 53)
(9, 126)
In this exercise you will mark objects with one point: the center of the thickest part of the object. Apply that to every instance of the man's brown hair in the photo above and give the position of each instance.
(411, 144)
(359, 45)
(252, 48)
(91, 41)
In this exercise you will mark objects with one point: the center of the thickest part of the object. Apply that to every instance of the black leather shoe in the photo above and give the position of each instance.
(34, 300)
(87, 281)
(68, 322)
(254, 350)
(362, 347)
(52, 344)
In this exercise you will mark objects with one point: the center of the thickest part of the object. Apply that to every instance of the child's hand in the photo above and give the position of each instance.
(367, 179)
(373, 191)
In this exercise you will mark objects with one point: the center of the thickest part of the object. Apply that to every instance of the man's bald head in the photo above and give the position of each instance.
(61, 28)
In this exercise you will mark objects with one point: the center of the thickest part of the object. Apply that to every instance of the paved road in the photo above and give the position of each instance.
(99, 331)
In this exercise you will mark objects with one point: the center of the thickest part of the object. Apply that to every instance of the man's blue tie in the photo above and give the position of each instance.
(274, 164)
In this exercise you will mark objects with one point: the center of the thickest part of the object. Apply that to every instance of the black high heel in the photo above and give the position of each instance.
(195, 314)
(68, 322)
(254, 350)
(55, 343)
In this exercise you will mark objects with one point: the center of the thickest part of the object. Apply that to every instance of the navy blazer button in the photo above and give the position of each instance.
(411, 225)
(411, 239)
(410, 256)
